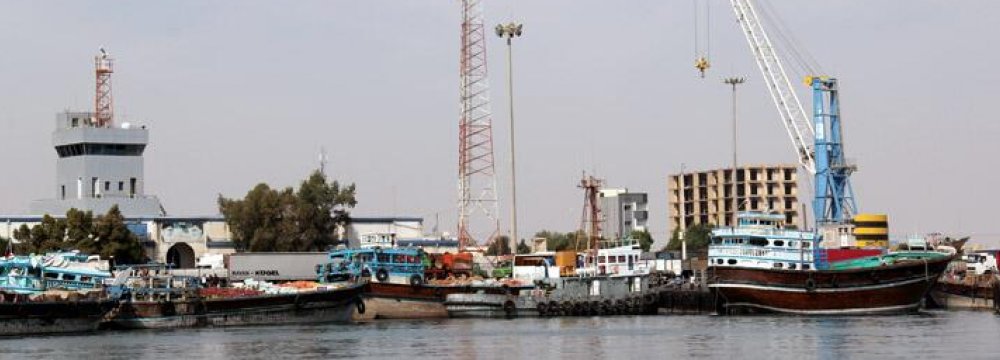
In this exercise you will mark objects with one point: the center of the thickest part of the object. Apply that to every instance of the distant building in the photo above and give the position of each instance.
(98, 166)
(623, 212)
(705, 197)
(383, 231)
(181, 240)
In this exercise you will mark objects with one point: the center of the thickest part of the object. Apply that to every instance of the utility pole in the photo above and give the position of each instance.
(733, 81)
(680, 210)
(509, 31)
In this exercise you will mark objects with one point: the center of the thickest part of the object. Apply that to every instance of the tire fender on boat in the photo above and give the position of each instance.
(360, 305)
(509, 307)
(810, 284)
(542, 308)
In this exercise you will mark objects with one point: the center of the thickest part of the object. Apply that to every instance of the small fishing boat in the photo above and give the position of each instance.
(758, 266)
(611, 280)
(968, 282)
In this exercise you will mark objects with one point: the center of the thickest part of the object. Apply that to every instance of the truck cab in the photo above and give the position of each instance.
(981, 262)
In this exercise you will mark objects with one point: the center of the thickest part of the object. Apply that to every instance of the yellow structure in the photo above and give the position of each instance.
(871, 230)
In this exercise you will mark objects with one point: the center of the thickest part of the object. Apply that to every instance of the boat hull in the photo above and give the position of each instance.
(486, 306)
(320, 306)
(53, 317)
(892, 289)
(156, 315)
(952, 295)
(402, 301)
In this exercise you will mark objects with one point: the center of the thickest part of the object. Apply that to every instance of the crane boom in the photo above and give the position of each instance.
(793, 116)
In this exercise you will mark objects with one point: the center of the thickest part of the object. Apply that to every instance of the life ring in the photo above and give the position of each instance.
(650, 299)
(542, 308)
(382, 275)
(416, 280)
(810, 284)
(360, 305)
(509, 308)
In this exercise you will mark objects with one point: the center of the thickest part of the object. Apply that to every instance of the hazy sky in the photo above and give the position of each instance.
(239, 92)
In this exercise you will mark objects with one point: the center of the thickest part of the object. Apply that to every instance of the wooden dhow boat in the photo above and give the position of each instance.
(758, 266)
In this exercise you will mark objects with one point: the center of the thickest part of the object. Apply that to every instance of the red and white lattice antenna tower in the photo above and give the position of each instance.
(103, 105)
(478, 207)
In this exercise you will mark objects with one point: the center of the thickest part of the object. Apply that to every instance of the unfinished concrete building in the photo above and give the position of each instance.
(705, 197)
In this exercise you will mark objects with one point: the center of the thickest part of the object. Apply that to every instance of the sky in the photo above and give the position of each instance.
(240, 92)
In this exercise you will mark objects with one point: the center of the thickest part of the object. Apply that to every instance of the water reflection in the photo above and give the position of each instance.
(942, 334)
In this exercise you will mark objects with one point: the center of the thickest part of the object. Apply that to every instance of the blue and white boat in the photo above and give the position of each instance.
(53, 293)
(33, 274)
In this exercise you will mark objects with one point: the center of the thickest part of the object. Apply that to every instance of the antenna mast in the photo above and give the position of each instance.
(103, 106)
(590, 221)
(477, 196)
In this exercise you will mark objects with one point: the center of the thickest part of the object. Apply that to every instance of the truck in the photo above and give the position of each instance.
(981, 262)
(440, 266)
(275, 266)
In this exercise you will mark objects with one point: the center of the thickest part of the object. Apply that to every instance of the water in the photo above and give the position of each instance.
(932, 335)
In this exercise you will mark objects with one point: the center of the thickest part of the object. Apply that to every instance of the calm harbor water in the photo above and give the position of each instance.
(931, 335)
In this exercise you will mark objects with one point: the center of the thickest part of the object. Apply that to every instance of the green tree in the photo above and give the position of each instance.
(645, 239)
(268, 219)
(79, 230)
(46, 236)
(697, 236)
(523, 248)
(113, 239)
(499, 246)
(557, 241)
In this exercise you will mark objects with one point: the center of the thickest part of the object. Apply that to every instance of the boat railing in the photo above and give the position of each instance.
(760, 252)
(787, 233)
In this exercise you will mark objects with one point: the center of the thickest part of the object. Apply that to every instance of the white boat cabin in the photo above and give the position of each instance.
(760, 241)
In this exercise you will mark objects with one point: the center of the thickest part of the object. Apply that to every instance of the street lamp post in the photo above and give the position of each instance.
(509, 31)
(733, 81)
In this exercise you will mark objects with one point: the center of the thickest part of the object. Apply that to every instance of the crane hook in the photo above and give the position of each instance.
(702, 65)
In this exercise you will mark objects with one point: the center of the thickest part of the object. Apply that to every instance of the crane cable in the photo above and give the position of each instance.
(702, 57)
(804, 64)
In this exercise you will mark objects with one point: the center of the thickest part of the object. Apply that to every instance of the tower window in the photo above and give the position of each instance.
(121, 186)
(107, 186)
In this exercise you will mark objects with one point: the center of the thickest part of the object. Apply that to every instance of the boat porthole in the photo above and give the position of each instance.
(732, 261)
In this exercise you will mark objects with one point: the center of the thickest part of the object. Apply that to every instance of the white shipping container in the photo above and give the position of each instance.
(287, 266)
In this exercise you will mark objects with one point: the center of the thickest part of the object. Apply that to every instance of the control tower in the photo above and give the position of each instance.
(100, 162)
